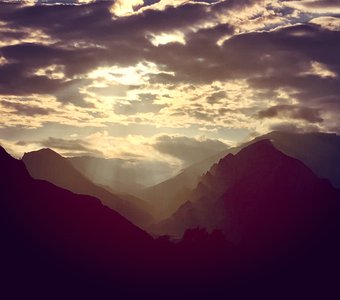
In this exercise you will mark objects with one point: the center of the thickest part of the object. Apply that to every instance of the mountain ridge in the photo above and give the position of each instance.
(255, 172)
(323, 161)
(46, 164)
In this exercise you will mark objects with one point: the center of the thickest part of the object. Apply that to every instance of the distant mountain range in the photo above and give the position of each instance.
(319, 151)
(48, 165)
(258, 196)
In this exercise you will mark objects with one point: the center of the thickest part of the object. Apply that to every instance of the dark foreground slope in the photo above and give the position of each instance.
(58, 245)
(50, 235)
(48, 165)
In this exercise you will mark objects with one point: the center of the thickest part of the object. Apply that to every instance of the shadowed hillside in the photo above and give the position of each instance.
(50, 236)
(319, 151)
(56, 244)
(259, 194)
(48, 165)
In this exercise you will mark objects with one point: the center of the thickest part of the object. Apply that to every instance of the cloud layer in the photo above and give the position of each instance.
(175, 76)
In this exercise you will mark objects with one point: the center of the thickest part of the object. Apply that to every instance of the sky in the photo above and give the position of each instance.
(167, 81)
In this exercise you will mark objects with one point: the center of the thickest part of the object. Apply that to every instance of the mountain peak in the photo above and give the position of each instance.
(6, 157)
(259, 194)
(46, 152)
(3, 153)
(260, 147)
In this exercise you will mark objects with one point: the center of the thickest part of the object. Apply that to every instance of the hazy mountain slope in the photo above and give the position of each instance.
(258, 194)
(48, 165)
(107, 172)
(319, 151)
(167, 196)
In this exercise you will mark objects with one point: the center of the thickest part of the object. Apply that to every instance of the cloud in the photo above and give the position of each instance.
(328, 22)
(70, 145)
(296, 127)
(188, 150)
(146, 104)
(215, 97)
(310, 115)
(178, 67)
(26, 110)
(123, 7)
(317, 6)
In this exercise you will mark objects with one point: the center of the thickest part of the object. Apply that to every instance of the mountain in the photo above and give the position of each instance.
(170, 194)
(53, 239)
(48, 165)
(319, 151)
(259, 196)
(59, 245)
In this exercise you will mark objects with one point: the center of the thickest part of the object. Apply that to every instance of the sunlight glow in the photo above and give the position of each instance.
(320, 70)
(125, 8)
(52, 72)
(133, 75)
(166, 38)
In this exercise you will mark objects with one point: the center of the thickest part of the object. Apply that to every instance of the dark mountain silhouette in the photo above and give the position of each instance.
(48, 165)
(53, 240)
(319, 151)
(259, 196)
(60, 245)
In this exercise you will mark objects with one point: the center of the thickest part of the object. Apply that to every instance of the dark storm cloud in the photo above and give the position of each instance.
(323, 3)
(282, 52)
(107, 41)
(189, 150)
(150, 2)
(14, 81)
(34, 55)
(8, 35)
(269, 61)
(17, 77)
(58, 1)
(26, 110)
(310, 115)
(82, 22)
(87, 37)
